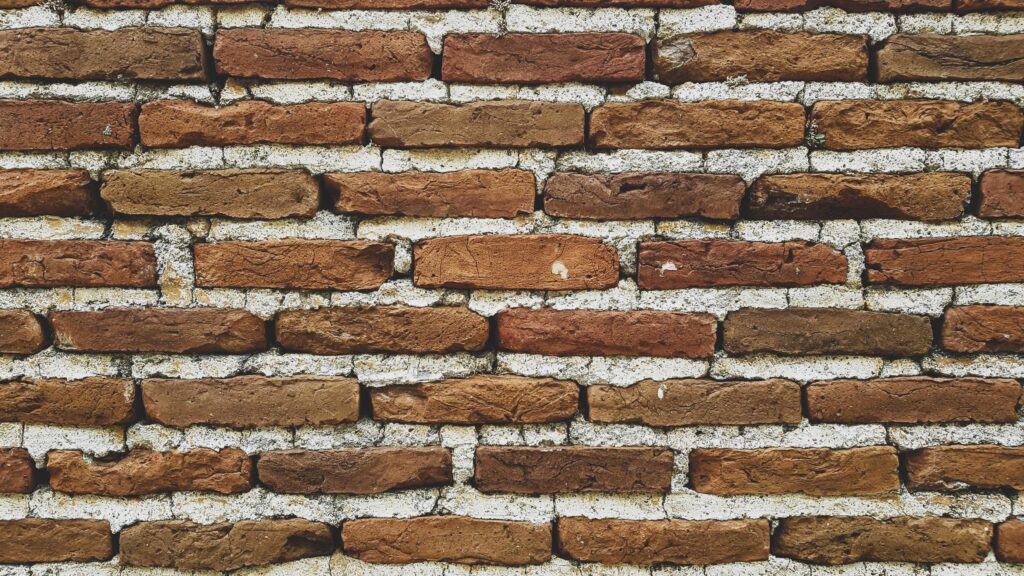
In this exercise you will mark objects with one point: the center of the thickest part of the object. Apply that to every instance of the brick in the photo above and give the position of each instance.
(908, 58)
(708, 263)
(806, 331)
(607, 333)
(294, 264)
(761, 56)
(945, 261)
(86, 402)
(622, 3)
(307, 54)
(151, 4)
(256, 193)
(16, 471)
(382, 329)
(572, 469)
(983, 329)
(19, 3)
(1002, 194)
(845, 540)
(501, 124)
(873, 470)
(41, 125)
(181, 123)
(524, 262)
(605, 57)
(69, 54)
(666, 124)
(355, 471)
(21, 332)
(901, 6)
(947, 468)
(634, 196)
(46, 193)
(388, 4)
(454, 539)
(142, 472)
(1010, 541)
(187, 546)
(169, 330)
(913, 400)
(480, 399)
(647, 542)
(78, 263)
(43, 540)
(863, 124)
(989, 5)
(929, 196)
(696, 402)
(468, 193)
(252, 401)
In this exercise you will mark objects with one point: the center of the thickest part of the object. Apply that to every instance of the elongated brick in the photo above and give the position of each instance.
(949, 468)
(983, 329)
(86, 402)
(47, 193)
(141, 472)
(572, 469)
(41, 125)
(42, 540)
(79, 263)
(945, 261)
(915, 57)
(355, 471)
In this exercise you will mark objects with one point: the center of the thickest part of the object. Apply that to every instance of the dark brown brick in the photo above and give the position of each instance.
(142, 472)
(945, 261)
(21, 332)
(983, 329)
(42, 540)
(17, 471)
(355, 471)
(31, 125)
(572, 469)
(1010, 541)
(47, 193)
(947, 468)
(86, 402)
(1002, 194)
(908, 58)
(78, 263)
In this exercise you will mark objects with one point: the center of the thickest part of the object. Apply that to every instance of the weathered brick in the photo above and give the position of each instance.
(28, 125)
(47, 193)
(844, 540)
(525, 262)
(501, 124)
(387, 329)
(79, 263)
(847, 5)
(800, 331)
(947, 468)
(480, 399)
(388, 4)
(1010, 541)
(913, 400)
(86, 402)
(256, 193)
(707, 263)
(355, 471)
(605, 57)
(43, 540)
(142, 472)
(1002, 194)
(446, 539)
(469, 193)
(666, 124)
(983, 329)
(181, 123)
(606, 333)
(989, 5)
(19, 3)
(252, 401)
(945, 261)
(814, 471)
(170, 330)
(622, 3)
(16, 471)
(294, 264)
(572, 469)
(279, 54)
(648, 542)
(20, 332)
(151, 4)
(908, 58)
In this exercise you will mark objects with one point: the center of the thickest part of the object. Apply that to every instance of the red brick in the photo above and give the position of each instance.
(142, 472)
(1010, 541)
(21, 332)
(47, 193)
(43, 540)
(150, 4)
(388, 4)
(28, 125)
(988, 5)
(572, 470)
(847, 5)
(1002, 194)
(945, 261)
(86, 402)
(983, 329)
(19, 3)
(908, 58)
(79, 263)
(16, 471)
(947, 468)
(622, 3)
(355, 471)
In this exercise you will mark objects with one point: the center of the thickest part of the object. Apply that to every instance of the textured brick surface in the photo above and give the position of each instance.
(356, 471)
(572, 470)
(46, 193)
(85, 402)
(148, 472)
(27, 125)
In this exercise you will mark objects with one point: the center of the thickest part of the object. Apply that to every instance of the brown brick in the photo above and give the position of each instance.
(20, 332)
(1010, 541)
(907, 58)
(707, 263)
(46, 193)
(294, 264)
(170, 330)
(256, 193)
(143, 472)
(79, 263)
(252, 401)
(913, 400)
(665, 124)
(43, 540)
(19, 3)
(87, 402)
(844, 540)
(572, 469)
(388, 4)
(28, 125)
(945, 261)
(355, 471)
(761, 56)
(1002, 194)
(16, 471)
(929, 196)
(278, 54)
(989, 5)
(800, 331)
(150, 4)
(647, 542)
(607, 333)
(181, 123)
(983, 329)
(814, 471)
(446, 539)
(847, 5)
(696, 402)
(221, 547)
(524, 262)
(630, 196)
(124, 54)
(623, 3)
(501, 124)
(385, 329)
(861, 124)
(605, 57)
(480, 399)
(947, 468)
(469, 193)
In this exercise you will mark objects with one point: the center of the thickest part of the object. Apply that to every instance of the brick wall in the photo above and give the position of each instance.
(564, 287)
